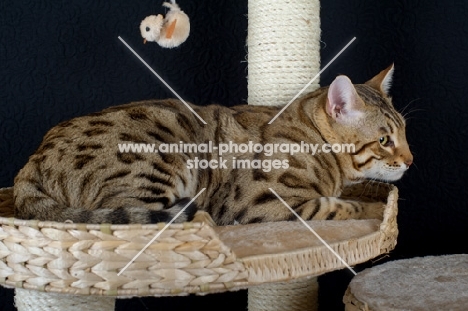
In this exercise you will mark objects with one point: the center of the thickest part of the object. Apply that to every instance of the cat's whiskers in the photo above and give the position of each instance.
(405, 114)
(377, 189)
(369, 182)
(407, 105)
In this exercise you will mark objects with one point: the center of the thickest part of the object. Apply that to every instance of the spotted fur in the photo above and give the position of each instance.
(79, 174)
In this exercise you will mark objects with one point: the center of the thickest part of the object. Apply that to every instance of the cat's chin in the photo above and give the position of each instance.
(385, 178)
(382, 180)
(388, 177)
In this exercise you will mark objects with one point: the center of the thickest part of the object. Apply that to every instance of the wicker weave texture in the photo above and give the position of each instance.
(84, 259)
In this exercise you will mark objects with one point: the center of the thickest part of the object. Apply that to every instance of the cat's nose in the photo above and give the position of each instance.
(409, 162)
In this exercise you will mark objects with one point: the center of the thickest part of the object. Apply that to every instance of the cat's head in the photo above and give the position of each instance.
(366, 116)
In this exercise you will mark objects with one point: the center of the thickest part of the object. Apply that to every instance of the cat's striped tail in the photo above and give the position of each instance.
(33, 202)
(127, 215)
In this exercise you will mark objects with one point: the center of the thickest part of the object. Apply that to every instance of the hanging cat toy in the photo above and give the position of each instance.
(169, 31)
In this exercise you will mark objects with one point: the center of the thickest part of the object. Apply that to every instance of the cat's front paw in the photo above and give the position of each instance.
(204, 217)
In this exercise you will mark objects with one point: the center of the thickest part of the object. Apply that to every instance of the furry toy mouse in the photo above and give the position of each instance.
(169, 31)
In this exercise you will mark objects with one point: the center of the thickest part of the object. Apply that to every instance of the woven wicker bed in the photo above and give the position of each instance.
(84, 259)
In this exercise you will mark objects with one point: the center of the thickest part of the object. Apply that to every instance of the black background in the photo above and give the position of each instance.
(61, 59)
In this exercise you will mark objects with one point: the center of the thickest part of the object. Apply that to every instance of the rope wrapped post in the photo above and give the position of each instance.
(283, 49)
(298, 295)
(283, 56)
(32, 300)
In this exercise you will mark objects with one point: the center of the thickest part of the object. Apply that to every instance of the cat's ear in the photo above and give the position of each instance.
(383, 81)
(343, 103)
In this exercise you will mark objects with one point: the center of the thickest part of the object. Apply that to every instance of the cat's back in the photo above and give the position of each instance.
(81, 162)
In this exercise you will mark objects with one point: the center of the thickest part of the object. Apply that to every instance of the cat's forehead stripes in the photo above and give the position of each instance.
(383, 130)
(391, 128)
(386, 130)
(373, 97)
(395, 117)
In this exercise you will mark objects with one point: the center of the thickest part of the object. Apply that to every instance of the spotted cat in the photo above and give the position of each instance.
(78, 173)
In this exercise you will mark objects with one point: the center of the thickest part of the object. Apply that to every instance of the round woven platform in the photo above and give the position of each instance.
(430, 283)
(84, 259)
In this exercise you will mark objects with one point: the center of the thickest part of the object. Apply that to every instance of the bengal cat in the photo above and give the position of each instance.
(79, 174)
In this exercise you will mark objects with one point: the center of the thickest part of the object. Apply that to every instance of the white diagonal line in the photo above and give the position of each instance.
(162, 80)
(313, 79)
(313, 231)
(159, 233)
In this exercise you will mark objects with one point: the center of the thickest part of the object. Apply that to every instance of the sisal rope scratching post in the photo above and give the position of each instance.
(294, 295)
(31, 300)
(283, 56)
(283, 49)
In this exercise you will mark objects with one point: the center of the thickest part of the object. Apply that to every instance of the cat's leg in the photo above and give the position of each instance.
(339, 209)
(202, 216)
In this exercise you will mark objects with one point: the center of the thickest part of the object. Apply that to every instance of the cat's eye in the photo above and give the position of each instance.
(147, 29)
(384, 140)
